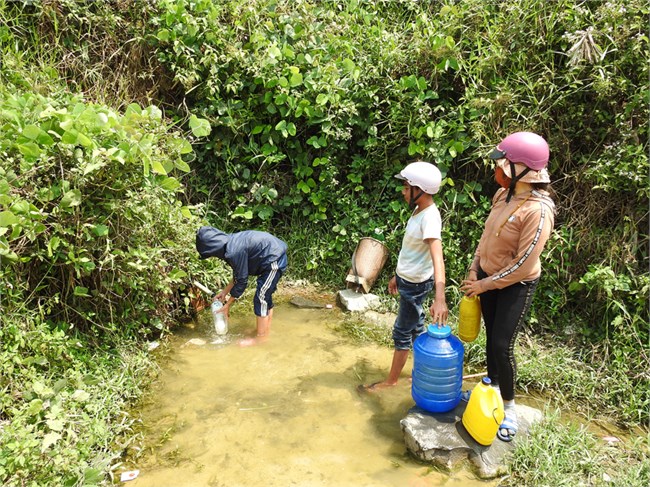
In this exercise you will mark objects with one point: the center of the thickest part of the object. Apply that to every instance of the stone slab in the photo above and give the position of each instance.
(441, 439)
(354, 301)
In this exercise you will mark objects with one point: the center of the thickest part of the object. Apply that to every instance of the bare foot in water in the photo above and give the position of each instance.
(249, 342)
(375, 387)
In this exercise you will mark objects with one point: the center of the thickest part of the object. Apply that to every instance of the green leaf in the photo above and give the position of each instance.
(70, 137)
(200, 126)
(274, 52)
(60, 384)
(7, 218)
(32, 131)
(296, 79)
(45, 139)
(55, 424)
(84, 140)
(81, 291)
(100, 230)
(181, 165)
(177, 274)
(185, 147)
(80, 395)
(133, 108)
(158, 168)
(71, 198)
(241, 212)
(30, 149)
(348, 65)
(93, 167)
(170, 184)
(93, 476)
(49, 440)
(35, 407)
(265, 213)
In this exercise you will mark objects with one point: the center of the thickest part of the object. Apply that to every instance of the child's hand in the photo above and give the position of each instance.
(221, 296)
(226, 310)
(439, 312)
(392, 285)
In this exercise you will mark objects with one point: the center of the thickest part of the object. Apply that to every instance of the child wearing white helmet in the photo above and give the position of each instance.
(420, 266)
(506, 266)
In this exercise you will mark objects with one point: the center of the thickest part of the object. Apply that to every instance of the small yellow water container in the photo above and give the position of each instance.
(484, 413)
(469, 318)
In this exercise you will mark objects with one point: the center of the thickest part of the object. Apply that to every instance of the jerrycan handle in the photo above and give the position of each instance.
(494, 416)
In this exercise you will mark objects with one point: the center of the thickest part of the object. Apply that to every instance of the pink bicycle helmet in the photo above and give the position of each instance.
(524, 148)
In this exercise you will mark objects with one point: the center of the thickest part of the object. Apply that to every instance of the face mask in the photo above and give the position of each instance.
(501, 178)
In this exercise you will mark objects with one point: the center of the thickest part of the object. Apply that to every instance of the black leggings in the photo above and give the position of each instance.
(504, 311)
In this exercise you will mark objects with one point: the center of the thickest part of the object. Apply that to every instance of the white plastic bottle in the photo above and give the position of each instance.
(220, 321)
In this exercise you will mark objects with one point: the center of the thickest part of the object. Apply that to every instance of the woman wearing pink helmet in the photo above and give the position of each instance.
(506, 266)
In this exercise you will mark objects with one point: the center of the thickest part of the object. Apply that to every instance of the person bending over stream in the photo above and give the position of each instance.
(248, 253)
(420, 266)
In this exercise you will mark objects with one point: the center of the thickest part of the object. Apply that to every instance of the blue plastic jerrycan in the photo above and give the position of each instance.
(437, 370)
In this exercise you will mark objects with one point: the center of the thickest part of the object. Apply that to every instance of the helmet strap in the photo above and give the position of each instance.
(412, 199)
(514, 179)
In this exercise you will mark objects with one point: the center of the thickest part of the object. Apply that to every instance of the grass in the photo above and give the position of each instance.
(561, 453)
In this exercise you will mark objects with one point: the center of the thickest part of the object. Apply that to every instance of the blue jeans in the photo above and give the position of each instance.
(411, 315)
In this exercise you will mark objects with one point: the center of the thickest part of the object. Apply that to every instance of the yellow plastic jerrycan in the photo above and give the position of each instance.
(484, 413)
(469, 318)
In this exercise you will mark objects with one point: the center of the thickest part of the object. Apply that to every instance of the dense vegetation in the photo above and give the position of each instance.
(125, 123)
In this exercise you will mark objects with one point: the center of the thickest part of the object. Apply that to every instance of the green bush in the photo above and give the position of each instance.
(62, 403)
(96, 256)
(92, 228)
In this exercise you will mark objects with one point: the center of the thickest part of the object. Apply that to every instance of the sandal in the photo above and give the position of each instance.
(507, 430)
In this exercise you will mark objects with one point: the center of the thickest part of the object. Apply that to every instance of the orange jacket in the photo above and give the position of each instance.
(513, 239)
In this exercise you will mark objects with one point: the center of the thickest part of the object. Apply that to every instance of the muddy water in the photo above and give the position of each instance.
(283, 413)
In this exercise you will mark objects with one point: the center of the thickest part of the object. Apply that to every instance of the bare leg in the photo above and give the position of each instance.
(399, 360)
(263, 330)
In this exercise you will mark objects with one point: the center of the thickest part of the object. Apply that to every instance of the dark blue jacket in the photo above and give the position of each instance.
(248, 253)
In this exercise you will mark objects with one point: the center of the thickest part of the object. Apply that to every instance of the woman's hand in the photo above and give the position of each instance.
(471, 287)
(221, 296)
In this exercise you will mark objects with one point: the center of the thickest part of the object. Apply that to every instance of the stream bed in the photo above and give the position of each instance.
(282, 413)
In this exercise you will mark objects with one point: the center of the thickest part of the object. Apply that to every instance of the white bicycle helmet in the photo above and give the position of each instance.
(424, 175)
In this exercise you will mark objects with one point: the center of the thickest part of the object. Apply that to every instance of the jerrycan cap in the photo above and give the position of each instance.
(436, 332)
(486, 381)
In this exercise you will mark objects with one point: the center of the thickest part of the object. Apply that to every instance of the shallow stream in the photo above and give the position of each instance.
(282, 413)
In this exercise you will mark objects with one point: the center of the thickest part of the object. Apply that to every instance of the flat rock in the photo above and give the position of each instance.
(354, 301)
(385, 320)
(441, 439)
(301, 302)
